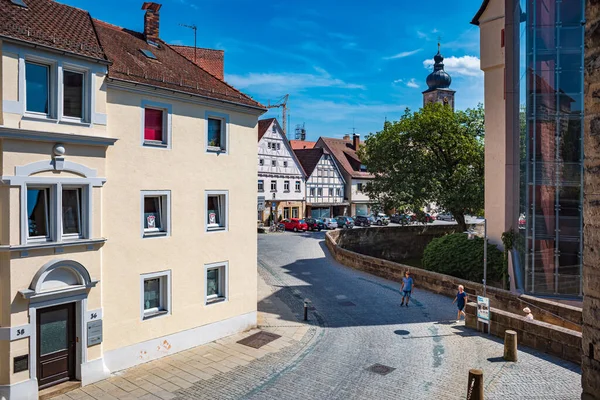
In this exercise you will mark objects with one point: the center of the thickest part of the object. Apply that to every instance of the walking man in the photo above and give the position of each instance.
(407, 287)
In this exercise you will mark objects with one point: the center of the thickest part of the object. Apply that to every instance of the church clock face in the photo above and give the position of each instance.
(445, 101)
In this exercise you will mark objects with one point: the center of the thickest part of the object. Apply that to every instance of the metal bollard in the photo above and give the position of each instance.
(510, 345)
(475, 387)
(305, 310)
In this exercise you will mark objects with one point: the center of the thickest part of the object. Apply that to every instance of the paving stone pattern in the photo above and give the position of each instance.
(329, 356)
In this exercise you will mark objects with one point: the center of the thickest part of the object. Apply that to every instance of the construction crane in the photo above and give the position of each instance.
(282, 102)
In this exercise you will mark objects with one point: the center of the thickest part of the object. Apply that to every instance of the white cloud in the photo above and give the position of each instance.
(459, 66)
(398, 81)
(288, 82)
(403, 54)
(422, 35)
(336, 111)
(412, 83)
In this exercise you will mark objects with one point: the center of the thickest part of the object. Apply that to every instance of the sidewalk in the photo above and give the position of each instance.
(159, 379)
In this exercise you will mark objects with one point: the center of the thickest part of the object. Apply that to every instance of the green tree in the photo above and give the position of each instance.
(432, 155)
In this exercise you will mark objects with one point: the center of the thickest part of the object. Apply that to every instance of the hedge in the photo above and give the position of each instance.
(461, 257)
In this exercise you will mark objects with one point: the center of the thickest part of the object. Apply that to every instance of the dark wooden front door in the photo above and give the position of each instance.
(55, 344)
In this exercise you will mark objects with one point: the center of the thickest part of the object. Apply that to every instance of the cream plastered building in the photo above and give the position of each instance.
(127, 223)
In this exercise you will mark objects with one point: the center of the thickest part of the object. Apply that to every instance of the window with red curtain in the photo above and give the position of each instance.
(153, 124)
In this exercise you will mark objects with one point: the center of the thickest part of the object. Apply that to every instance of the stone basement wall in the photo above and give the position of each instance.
(590, 362)
(544, 310)
(557, 341)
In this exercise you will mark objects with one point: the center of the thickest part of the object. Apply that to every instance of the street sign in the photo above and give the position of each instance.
(483, 309)
(273, 205)
(94, 332)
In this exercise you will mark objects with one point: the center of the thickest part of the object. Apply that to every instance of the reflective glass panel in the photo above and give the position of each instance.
(71, 211)
(73, 94)
(37, 87)
(37, 212)
(53, 331)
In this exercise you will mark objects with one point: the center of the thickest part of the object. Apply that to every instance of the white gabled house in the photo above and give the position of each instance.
(324, 184)
(281, 179)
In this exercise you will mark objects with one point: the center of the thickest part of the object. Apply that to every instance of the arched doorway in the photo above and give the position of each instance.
(57, 300)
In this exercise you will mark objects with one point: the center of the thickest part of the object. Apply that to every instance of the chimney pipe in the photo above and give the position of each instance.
(151, 20)
(355, 141)
(346, 137)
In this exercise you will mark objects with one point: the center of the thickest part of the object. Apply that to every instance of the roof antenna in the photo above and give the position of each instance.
(439, 40)
(195, 29)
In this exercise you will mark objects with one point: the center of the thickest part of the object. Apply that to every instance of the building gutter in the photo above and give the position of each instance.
(127, 84)
(22, 42)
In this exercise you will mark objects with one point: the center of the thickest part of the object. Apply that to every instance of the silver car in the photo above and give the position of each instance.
(330, 223)
(445, 217)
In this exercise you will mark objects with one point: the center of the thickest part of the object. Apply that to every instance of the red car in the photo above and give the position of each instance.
(427, 218)
(295, 224)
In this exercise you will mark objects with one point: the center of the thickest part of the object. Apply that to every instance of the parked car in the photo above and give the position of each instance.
(400, 219)
(330, 223)
(522, 221)
(345, 222)
(361, 220)
(295, 224)
(380, 219)
(427, 218)
(314, 224)
(445, 217)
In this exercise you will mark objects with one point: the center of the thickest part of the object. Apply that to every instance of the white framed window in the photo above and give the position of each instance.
(278, 146)
(312, 192)
(215, 276)
(286, 212)
(273, 186)
(261, 185)
(359, 187)
(285, 164)
(74, 94)
(297, 186)
(319, 191)
(273, 163)
(156, 124)
(295, 212)
(217, 135)
(156, 213)
(269, 145)
(286, 186)
(72, 211)
(155, 294)
(38, 88)
(261, 162)
(338, 192)
(274, 129)
(57, 212)
(38, 213)
(216, 210)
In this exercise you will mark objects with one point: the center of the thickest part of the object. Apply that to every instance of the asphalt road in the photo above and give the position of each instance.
(360, 323)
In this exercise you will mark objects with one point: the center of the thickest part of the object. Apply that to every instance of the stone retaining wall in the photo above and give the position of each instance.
(394, 243)
(560, 342)
(544, 310)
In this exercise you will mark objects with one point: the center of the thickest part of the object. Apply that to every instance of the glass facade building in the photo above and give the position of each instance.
(551, 48)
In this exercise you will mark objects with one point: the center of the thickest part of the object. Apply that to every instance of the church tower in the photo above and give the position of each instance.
(439, 84)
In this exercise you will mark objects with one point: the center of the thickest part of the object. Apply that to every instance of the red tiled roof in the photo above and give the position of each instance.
(51, 24)
(302, 144)
(170, 70)
(263, 125)
(346, 157)
(210, 60)
(309, 158)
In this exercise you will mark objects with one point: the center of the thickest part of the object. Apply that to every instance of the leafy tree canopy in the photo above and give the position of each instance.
(432, 155)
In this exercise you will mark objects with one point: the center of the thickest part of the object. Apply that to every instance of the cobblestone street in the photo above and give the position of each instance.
(355, 322)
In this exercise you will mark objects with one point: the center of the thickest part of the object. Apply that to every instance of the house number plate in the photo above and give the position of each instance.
(94, 332)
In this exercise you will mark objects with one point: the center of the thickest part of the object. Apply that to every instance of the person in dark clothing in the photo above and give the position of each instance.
(460, 299)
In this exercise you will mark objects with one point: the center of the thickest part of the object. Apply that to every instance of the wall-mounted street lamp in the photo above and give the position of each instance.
(471, 235)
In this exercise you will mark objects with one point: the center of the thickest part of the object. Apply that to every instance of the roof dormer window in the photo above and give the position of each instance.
(148, 54)
(19, 3)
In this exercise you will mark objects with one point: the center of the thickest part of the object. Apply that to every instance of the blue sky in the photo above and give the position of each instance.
(343, 64)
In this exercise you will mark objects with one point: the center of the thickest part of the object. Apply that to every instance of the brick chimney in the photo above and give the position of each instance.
(151, 20)
(355, 141)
